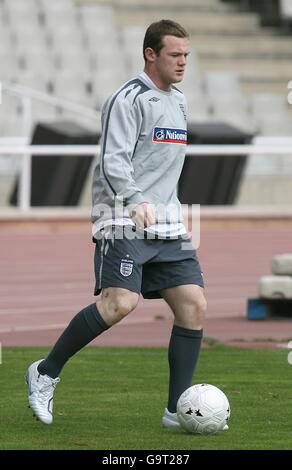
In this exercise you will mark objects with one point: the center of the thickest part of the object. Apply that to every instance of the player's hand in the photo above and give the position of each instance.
(143, 215)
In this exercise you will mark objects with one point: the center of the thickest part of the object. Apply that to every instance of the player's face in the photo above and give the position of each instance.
(172, 59)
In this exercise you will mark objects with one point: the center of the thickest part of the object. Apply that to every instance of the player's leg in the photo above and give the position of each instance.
(188, 304)
(175, 274)
(113, 305)
(42, 376)
(118, 279)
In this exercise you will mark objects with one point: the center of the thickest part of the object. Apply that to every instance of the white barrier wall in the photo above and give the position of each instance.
(286, 9)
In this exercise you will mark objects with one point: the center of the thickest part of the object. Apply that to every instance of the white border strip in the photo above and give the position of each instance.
(65, 214)
(192, 150)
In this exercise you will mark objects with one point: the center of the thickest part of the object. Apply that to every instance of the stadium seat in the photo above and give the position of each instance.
(192, 82)
(282, 264)
(133, 45)
(73, 61)
(275, 124)
(8, 66)
(36, 61)
(11, 116)
(5, 40)
(70, 86)
(98, 21)
(101, 15)
(104, 84)
(220, 83)
(262, 103)
(25, 16)
(36, 80)
(232, 109)
(29, 40)
(66, 39)
(61, 21)
(15, 7)
(57, 7)
(197, 107)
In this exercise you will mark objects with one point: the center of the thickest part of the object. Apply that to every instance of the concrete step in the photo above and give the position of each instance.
(282, 264)
(249, 69)
(224, 48)
(275, 287)
(262, 43)
(199, 22)
(251, 87)
(184, 5)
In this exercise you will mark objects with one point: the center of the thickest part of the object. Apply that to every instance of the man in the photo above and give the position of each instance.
(137, 222)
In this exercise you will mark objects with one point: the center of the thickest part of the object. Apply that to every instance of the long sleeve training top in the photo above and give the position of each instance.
(143, 143)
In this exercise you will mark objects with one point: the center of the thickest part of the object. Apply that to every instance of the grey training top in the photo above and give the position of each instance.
(143, 147)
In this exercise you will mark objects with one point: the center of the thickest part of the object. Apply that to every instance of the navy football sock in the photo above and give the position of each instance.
(82, 329)
(183, 353)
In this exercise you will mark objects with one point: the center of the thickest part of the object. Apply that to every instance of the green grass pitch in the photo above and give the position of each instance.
(113, 398)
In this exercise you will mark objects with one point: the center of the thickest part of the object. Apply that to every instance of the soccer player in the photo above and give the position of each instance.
(141, 243)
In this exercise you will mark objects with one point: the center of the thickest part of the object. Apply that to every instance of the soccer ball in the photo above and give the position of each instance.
(203, 409)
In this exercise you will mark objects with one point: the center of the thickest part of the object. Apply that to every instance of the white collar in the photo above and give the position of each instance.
(147, 79)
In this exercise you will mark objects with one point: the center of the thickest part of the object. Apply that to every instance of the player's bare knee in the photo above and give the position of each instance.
(115, 305)
(118, 303)
(197, 310)
(124, 304)
(200, 309)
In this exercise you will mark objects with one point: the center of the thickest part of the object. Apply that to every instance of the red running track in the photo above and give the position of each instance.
(46, 277)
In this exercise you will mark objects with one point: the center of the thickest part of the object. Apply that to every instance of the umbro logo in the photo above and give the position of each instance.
(154, 99)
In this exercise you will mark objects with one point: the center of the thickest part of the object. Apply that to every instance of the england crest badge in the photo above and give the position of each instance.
(126, 267)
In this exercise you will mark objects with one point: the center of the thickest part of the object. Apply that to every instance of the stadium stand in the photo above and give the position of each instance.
(230, 51)
(272, 12)
(83, 50)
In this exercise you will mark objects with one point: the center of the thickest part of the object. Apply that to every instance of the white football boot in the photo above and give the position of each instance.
(169, 420)
(40, 393)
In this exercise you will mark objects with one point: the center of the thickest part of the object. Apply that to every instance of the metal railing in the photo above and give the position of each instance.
(26, 152)
(27, 95)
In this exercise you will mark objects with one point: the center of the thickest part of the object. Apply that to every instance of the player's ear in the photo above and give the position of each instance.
(150, 54)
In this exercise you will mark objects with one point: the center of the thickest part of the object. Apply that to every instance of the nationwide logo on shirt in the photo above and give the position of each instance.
(169, 135)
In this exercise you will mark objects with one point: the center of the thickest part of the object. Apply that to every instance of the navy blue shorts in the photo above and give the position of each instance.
(145, 266)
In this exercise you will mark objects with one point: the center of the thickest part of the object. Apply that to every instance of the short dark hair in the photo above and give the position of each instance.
(156, 31)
